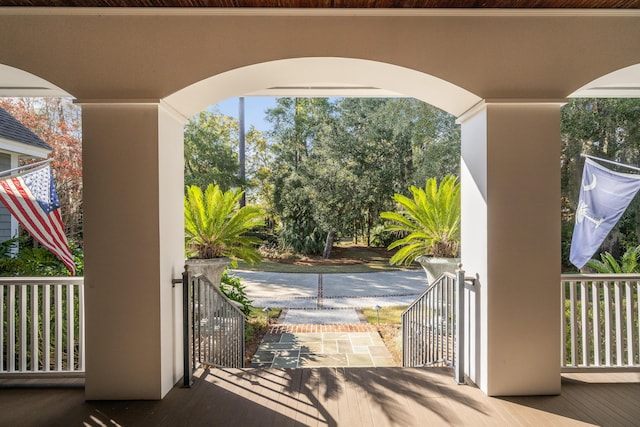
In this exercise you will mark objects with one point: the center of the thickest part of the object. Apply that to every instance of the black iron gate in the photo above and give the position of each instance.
(213, 327)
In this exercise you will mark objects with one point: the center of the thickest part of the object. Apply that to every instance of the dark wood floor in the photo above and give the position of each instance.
(334, 397)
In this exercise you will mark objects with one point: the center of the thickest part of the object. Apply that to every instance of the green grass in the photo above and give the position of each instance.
(256, 324)
(260, 315)
(389, 315)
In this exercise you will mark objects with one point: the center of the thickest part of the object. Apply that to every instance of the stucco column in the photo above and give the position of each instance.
(511, 243)
(134, 246)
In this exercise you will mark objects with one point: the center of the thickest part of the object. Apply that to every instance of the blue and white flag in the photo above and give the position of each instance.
(604, 196)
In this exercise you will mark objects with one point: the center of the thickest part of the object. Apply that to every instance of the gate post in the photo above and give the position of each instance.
(460, 339)
(187, 365)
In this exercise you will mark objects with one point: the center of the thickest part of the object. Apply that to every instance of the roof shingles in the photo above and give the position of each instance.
(12, 129)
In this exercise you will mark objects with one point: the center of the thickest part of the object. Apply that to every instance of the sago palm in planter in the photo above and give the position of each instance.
(215, 230)
(430, 224)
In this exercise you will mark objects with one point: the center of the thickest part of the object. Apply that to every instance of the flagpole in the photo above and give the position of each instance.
(610, 161)
(31, 165)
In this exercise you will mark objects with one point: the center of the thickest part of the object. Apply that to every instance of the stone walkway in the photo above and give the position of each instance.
(312, 346)
(320, 325)
(321, 338)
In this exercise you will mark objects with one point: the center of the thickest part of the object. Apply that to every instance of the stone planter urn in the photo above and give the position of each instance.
(211, 268)
(434, 267)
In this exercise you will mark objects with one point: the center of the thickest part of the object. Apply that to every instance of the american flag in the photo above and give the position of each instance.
(32, 199)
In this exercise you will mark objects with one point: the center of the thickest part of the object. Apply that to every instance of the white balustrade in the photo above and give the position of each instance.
(42, 324)
(600, 321)
(42, 321)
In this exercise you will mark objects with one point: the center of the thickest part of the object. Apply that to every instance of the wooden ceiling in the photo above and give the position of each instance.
(338, 4)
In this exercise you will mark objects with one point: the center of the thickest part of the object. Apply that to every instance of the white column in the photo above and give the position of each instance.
(511, 243)
(133, 178)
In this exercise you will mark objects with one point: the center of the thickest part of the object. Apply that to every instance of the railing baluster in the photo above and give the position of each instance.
(35, 328)
(81, 330)
(584, 308)
(71, 339)
(595, 308)
(629, 309)
(22, 366)
(58, 327)
(607, 323)
(638, 314)
(11, 329)
(46, 325)
(572, 299)
(618, 319)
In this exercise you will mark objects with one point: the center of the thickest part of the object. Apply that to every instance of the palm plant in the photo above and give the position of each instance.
(609, 265)
(215, 225)
(430, 222)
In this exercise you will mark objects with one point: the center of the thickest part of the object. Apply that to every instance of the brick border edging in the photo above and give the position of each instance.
(311, 328)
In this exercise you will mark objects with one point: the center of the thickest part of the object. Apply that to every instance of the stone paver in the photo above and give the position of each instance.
(320, 326)
(327, 345)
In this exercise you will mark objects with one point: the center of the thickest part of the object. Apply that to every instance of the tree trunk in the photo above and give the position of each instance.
(355, 231)
(368, 228)
(327, 245)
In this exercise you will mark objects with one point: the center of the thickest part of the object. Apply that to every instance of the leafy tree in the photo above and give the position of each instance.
(430, 221)
(333, 205)
(209, 142)
(342, 160)
(436, 144)
(297, 124)
(606, 128)
(259, 162)
(57, 122)
(215, 225)
(299, 230)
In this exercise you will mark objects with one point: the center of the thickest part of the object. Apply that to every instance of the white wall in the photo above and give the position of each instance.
(511, 242)
(171, 190)
(127, 280)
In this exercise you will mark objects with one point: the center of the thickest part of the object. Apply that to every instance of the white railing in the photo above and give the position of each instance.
(600, 321)
(42, 326)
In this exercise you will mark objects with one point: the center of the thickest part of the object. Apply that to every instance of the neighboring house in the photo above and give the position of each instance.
(16, 143)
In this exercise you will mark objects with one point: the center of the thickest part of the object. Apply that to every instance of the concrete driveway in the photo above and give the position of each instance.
(289, 290)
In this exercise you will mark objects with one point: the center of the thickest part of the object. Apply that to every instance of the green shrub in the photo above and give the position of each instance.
(35, 261)
(430, 221)
(381, 238)
(233, 288)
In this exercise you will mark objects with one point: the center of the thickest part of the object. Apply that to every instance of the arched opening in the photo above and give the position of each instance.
(133, 188)
(40, 138)
(622, 83)
(323, 77)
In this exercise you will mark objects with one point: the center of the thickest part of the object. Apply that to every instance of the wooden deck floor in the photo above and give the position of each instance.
(333, 397)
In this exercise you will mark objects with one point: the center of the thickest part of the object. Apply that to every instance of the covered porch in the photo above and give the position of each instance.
(333, 396)
(140, 74)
